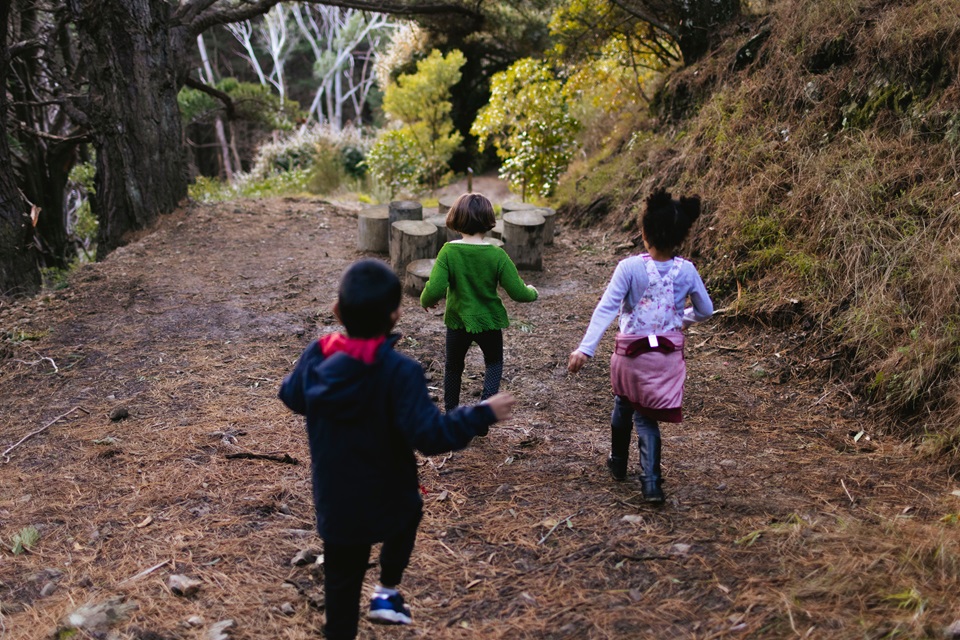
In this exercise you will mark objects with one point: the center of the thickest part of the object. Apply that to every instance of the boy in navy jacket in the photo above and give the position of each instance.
(367, 409)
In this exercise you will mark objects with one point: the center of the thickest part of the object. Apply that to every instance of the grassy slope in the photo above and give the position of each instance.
(829, 168)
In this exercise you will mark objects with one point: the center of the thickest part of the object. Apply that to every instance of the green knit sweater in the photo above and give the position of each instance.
(468, 275)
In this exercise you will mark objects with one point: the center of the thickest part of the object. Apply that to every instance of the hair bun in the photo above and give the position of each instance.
(690, 207)
(660, 198)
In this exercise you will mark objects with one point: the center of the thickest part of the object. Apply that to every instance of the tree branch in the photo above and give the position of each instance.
(19, 48)
(76, 138)
(213, 14)
(648, 17)
(225, 98)
(190, 9)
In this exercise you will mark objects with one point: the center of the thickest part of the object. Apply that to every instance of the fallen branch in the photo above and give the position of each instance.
(554, 527)
(145, 572)
(844, 485)
(284, 459)
(5, 454)
(36, 362)
(645, 558)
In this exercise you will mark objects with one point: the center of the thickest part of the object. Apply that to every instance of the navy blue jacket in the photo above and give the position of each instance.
(363, 423)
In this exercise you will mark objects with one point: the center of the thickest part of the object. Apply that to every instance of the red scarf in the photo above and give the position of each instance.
(362, 349)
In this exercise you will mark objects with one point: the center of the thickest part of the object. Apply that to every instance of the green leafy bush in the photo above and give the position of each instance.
(529, 122)
(394, 161)
(417, 151)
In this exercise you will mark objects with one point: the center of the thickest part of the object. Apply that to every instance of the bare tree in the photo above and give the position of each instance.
(207, 75)
(343, 42)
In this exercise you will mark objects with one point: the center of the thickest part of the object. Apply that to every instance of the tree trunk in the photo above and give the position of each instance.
(134, 60)
(218, 123)
(43, 163)
(523, 238)
(45, 183)
(18, 268)
(411, 240)
(373, 230)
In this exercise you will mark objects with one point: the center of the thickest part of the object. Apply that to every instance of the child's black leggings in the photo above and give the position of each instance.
(458, 343)
(344, 566)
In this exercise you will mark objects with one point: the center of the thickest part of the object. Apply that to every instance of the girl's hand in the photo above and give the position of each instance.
(576, 361)
(502, 405)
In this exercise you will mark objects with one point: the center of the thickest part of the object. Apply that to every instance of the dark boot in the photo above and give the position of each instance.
(620, 428)
(648, 441)
(617, 467)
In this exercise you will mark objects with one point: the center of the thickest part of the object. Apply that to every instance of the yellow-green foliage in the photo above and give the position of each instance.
(420, 103)
(528, 121)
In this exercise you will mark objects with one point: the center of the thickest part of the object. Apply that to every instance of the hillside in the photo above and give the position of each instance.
(824, 138)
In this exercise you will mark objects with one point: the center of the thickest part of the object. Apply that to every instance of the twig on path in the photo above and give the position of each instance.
(42, 358)
(823, 397)
(284, 459)
(790, 614)
(5, 454)
(554, 527)
(844, 485)
(145, 572)
(442, 462)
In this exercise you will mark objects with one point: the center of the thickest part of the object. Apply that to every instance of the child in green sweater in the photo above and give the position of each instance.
(467, 272)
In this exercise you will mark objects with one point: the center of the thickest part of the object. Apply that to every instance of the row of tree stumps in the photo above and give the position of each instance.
(413, 241)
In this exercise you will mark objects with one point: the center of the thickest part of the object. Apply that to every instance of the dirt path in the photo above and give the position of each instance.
(781, 520)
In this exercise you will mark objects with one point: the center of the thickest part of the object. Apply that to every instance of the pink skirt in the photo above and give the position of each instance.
(650, 374)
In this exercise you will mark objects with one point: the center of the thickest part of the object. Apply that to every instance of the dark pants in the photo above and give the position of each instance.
(625, 419)
(344, 566)
(458, 343)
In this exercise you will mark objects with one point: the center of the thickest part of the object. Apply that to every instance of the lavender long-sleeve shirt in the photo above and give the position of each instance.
(626, 287)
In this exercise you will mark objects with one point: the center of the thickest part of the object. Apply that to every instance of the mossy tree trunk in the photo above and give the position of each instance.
(135, 62)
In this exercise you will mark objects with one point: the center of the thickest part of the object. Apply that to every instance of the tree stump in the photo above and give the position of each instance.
(445, 204)
(404, 210)
(373, 230)
(513, 205)
(497, 231)
(411, 240)
(440, 222)
(523, 238)
(418, 272)
(549, 229)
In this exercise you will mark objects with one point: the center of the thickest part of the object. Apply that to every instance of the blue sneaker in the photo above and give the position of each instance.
(389, 609)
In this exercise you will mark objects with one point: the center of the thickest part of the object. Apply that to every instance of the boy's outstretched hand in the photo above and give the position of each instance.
(576, 361)
(502, 405)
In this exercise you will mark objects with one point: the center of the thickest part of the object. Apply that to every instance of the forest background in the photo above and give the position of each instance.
(823, 137)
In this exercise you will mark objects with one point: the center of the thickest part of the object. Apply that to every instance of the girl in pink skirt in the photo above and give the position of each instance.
(647, 368)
